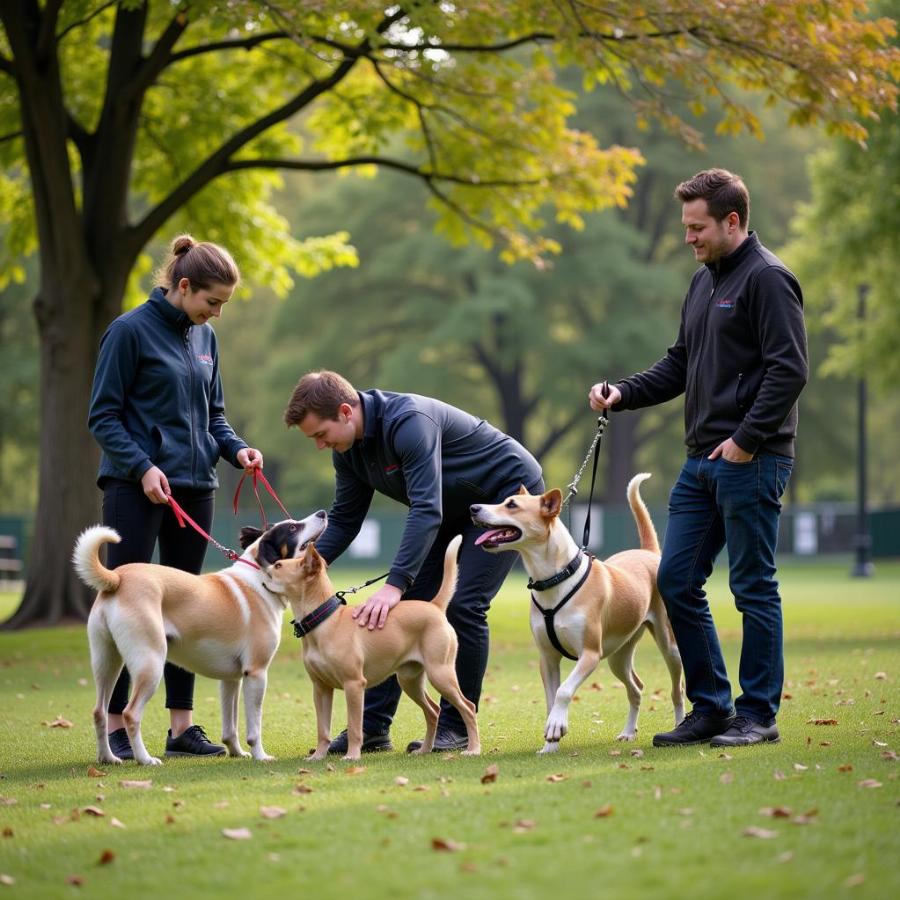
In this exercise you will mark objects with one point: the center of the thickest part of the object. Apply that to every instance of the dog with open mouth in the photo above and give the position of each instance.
(416, 641)
(584, 608)
(224, 625)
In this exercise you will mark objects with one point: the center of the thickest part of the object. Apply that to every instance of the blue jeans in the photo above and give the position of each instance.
(716, 503)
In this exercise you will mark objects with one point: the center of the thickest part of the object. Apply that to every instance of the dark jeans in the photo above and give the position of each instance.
(140, 524)
(480, 577)
(716, 503)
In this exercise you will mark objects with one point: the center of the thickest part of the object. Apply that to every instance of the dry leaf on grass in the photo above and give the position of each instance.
(776, 812)
(868, 783)
(846, 767)
(302, 789)
(93, 811)
(889, 755)
(447, 845)
(8, 880)
(237, 834)
(75, 880)
(137, 784)
(58, 722)
(524, 825)
(272, 812)
(106, 857)
(355, 770)
(604, 812)
(755, 832)
(821, 721)
(94, 772)
(490, 774)
(559, 776)
(401, 781)
(116, 823)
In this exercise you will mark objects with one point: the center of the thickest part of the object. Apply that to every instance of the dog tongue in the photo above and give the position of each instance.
(488, 535)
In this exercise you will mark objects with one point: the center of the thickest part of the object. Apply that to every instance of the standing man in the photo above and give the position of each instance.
(437, 460)
(740, 358)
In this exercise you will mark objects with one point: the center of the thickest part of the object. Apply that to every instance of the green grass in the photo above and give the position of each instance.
(677, 820)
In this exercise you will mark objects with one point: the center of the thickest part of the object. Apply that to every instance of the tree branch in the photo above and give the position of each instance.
(242, 44)
(99, 11)
(47, 34)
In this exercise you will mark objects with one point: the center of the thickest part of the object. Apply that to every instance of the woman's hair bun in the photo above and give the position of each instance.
(182, 244)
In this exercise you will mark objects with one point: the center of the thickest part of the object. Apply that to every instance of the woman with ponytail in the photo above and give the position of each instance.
(158, 413)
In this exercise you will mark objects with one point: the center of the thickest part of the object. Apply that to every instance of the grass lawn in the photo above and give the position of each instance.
(814, 816)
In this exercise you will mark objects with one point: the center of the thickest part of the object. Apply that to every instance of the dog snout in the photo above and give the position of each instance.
(475, 510)
(321, 514)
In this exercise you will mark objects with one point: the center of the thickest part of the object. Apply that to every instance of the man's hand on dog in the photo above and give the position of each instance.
(374, 612)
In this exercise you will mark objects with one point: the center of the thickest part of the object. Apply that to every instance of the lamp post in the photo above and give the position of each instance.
(862, 567)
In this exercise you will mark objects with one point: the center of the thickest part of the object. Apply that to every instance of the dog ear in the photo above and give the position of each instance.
(523, 489)
(312, 560)
(269, 551)
(248, 535)
(551, 503)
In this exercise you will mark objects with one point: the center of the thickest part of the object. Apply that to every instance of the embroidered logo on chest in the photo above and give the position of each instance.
(205, 359)
(392, 469)
(725, 303)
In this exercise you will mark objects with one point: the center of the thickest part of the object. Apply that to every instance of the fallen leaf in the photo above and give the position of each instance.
(237, 834)
(763, 833)
(490, 774)
(637, 753)
(877, 743)
(776, 812)
(524, 825)
(604, 811)
(446, 845)
(106, 857)
(555, 778)
(137, 784)
(725, 756)
(889, 754)
(272, 812)
(821, 721)
(881, 676)
(304, 771)
(7, 832)
(94, 772)
(302, 789)
(778, 775)
(421, 788)
(8, 880)
(59, 722)
(355, 770)
(868, 783)
(76, 880)
(401, 781)
(846, 767)
(799, 767)
(93, 811)
(116, 823)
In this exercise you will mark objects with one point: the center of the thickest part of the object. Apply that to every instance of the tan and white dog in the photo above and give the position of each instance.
(225, 625)
(595, 610)
(417, 640)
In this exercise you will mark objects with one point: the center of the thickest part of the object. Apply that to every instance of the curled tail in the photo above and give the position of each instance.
(646, 531)
(86, 558)
(448, 584)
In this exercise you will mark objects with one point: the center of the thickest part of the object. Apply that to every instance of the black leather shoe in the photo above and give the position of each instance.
(445, 740)
(192, 742)
(120, 745)
(695, 728)
(371, 743)
(744, 731)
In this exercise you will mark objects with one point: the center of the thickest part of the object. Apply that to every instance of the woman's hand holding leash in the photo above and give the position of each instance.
(156, 485)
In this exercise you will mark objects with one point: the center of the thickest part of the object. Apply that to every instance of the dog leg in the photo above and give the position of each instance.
(558, 719)
(323, 697)
(229, 692)
(254, 694)
(413, 685)
(661, 629)
(621, 663)
(354, 691)
(550, 679)
(145, 682)
(106, 664)
(445, 682)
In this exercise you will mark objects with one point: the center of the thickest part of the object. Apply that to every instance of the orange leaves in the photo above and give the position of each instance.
(446, 845)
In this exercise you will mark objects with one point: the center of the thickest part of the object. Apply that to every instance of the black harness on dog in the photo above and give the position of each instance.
(317, 616)
(554, 580)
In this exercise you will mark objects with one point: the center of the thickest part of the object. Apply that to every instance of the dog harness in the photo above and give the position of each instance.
(317, 616)
(554, 580)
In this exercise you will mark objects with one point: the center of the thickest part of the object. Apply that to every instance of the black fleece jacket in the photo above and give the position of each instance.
(430, 456)
(740, 357)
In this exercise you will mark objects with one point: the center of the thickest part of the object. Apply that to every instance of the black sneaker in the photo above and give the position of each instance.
(744, 731)
(445, 740)
(192, 742)
(695, 728)
(371, 743)
(119, 744)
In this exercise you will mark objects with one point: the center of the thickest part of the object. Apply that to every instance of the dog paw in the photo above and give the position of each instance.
(471, 752)
(263, 757)
(352, 757)
(626, 736)
(315, 757)
(151, 761)
(238, 753)
(550, 747)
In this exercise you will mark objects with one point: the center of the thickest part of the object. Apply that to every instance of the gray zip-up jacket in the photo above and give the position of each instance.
(740, 357)
(157, 398)
(430, 456)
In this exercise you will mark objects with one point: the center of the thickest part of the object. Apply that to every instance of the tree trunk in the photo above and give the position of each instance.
(68, 498)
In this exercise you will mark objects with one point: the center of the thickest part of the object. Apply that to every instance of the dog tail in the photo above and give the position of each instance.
(649, 540)
(86, 558)
(448, 585)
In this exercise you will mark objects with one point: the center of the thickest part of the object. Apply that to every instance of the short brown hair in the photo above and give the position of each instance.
(201, 262)
(723, 191)
(320, 393)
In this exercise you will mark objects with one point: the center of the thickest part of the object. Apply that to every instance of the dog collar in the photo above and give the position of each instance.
(550, 614)
(317, 616)
(554, 580)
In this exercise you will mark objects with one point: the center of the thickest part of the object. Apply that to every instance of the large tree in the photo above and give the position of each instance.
(120, 119)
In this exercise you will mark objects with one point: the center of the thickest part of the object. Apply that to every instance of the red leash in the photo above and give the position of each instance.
(257, 473)
(183, 517)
